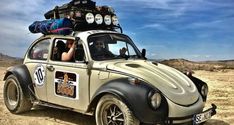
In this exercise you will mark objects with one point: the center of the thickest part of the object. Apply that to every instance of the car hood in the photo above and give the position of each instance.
(173, 84)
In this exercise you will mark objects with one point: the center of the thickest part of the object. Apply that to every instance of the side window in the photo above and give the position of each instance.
(40, 50)
(63, 45)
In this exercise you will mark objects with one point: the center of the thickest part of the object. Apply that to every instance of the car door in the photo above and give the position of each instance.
(68, 82)
(36, 61)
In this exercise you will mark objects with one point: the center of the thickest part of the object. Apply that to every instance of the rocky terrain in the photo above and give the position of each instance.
(186, 65)
(6, 61)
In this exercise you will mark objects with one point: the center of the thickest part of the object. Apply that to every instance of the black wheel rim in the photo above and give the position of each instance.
(112, 115)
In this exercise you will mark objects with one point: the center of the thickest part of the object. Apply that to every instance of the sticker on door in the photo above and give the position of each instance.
(66, 84)
(39, 75)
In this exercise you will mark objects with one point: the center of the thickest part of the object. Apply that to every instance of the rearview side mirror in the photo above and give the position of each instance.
(143, 53)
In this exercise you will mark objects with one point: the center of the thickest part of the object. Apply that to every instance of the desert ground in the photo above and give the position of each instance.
(221, 93)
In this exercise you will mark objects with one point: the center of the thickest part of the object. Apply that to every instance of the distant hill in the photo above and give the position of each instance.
(186, 65)
(180, 64)
(6, 61)
(3, 56)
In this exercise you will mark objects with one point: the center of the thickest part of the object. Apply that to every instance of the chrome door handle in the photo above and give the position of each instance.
(50, 67)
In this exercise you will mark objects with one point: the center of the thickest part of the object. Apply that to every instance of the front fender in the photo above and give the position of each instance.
(135, 97)
(199, 83)
(22, 74)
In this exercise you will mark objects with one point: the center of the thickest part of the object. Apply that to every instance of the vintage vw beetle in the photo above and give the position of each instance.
(118, 89)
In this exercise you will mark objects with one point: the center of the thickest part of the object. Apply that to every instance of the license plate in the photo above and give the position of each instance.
(202, 117)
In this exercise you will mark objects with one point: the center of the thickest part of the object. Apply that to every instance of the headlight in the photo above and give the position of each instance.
(107, 20)
(115, 20)
(89, 18)
(98, 19)
(204, 90)
(155, 99)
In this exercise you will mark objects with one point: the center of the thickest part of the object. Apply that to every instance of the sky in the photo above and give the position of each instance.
(197, 30)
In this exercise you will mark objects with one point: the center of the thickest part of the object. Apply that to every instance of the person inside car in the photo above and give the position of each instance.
(58, 50)
(122, 52)
(99, 51)
(68, 55)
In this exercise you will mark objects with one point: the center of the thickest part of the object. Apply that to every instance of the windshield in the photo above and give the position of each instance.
(112, 46)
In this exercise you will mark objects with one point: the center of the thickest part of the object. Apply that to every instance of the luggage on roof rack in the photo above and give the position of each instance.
(77, 15)
(61, 26)
(86, 15)
(65, 9)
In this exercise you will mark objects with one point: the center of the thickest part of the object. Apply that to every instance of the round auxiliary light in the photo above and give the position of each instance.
(115, 20)
(89, 18)
(110, 9)
(98, 19)
(107, 20)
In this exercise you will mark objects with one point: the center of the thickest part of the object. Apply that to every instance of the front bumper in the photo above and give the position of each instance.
(188, 119)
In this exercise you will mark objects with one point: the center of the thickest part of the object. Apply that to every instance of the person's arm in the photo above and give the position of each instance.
(67, 56)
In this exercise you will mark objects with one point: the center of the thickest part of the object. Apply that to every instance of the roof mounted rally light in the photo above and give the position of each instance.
(86, 15)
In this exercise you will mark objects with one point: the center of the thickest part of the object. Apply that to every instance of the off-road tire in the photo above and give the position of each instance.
(106, 104)
(14, 98)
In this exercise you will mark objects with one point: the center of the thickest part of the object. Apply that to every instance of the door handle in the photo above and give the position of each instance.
(50, 67)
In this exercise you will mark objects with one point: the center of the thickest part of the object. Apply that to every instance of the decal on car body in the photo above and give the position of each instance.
(66, 84)
(39, 75)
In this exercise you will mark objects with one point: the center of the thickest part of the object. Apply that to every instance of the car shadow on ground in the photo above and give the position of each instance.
(216, 122)
(65, 116)
(61, 116)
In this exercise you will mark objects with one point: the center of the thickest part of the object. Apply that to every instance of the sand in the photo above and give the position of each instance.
(221, 93)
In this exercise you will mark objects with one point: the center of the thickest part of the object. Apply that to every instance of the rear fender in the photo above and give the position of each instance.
(22, 74)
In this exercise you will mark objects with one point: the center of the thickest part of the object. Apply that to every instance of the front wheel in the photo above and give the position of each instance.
(112, 111)
(14, 98)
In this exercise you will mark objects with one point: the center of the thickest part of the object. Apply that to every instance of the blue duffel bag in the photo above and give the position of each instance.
(54, 26)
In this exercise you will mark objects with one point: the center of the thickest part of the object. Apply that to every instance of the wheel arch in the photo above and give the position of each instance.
(134, 96)
(23, 76)
(100, 94)
(198, 83)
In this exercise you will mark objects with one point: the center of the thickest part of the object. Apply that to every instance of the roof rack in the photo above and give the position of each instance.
(86, 15)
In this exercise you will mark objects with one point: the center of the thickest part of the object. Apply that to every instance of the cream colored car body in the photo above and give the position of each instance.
(177, 88)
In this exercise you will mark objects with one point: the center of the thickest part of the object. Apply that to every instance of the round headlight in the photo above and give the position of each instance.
(155, 100)
(115, 20)
(89, 18)
(98, 19)
(107, 20)
(204, 90)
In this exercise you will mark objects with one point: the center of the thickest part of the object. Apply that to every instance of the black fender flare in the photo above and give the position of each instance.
(198, 83)
(22, 74)
(135, 97)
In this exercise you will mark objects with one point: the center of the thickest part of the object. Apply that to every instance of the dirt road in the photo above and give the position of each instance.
(221, 93)
(221, 86)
